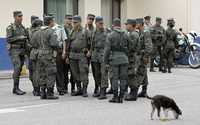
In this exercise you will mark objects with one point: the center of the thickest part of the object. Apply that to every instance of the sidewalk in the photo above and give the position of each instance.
(7, 74)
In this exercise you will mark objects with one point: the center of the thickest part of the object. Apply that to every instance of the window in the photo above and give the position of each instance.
(59, 8)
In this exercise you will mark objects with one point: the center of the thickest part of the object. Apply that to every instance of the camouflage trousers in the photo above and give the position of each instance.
(46, 69)
(141, 75)
(119, 77)
(80, 70)
(168, 57)
(17, 58)
(100, 74)
(33, 72)
(157, 51)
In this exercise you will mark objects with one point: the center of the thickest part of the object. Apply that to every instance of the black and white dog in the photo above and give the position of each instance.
(168, 104)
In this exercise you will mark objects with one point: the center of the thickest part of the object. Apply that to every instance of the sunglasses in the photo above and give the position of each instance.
(75, 22)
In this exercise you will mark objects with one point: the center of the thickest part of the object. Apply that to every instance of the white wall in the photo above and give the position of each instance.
(177, 9)
(28, 7)
(89, 6)
(194, 15)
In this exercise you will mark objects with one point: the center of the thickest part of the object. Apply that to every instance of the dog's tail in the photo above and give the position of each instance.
(148, 97)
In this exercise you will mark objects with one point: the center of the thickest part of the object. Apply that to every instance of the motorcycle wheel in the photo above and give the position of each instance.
(194, 58)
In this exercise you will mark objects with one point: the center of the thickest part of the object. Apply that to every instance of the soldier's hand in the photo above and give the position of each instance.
(22, 37)
(63, 55)
(88, 54)
(107, 67)
(146, 60)
(67, 60)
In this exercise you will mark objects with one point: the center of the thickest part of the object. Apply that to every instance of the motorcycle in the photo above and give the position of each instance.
(187, 52)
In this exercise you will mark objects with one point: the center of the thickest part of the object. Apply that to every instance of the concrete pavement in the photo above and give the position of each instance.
(183, 85)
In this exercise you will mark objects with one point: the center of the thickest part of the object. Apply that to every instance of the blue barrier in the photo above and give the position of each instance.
(5, 62)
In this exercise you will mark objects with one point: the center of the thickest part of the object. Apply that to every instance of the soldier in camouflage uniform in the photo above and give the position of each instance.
(158, 39)
(46, 38)
(30, 64)
(36, 25)
(143, 55)
(132, 69)
(17, 37)
(100, 73)
(68, 27)
(170, 45)
(147, 23)
(116, 55)
(78, 57)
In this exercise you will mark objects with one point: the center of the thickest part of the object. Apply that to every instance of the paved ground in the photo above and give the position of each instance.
(183, 85)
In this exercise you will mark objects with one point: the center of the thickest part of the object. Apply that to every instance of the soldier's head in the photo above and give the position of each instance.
(76, 20)
(170, 22)
(158, 21)
(37, 23)
(90, 19)
(116, 23)
(33, 18)
(49, 21)
(99, 22)
(18, 16)
(130, 24)
(147, 20)
(68, 19)
(140, 23)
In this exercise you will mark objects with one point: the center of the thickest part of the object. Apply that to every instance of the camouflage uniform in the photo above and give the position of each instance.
(158, 39)
(78, 61)
(17, 40)
(67, 68)
(46, 38)
(100, 73)
(133, 66)
(33, 60)
(116, 55)
(169, 47)
(143, 56)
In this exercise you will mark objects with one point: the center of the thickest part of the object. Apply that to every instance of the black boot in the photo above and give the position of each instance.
(36, 91)
(164, 70)
(110, 91)
(85, 91)
(50, 94)
(43, 94)
(133, 94)
(96, 91)
(79, 90)
(169, 70)
(115, 97)
(143, 93)
(17, 90)
(152, 70)
(102, 94)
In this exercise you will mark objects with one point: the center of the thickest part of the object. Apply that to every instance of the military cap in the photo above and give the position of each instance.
(91, 16)
(140, 20)
(76, 18)
(158, 19)
(17, 13)
(37, 22)
(147, 17)
(116, 22)
(171, 21)
(98, 19)
(68, 16)
(130, 21)
(47, 20)
(33, 17)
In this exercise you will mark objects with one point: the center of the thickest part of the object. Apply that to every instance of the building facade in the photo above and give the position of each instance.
(185, 13)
